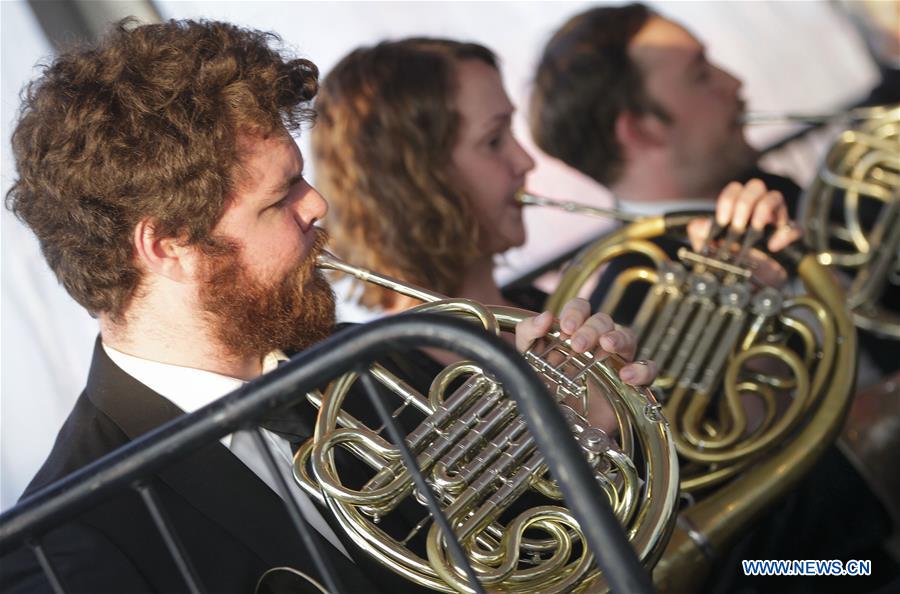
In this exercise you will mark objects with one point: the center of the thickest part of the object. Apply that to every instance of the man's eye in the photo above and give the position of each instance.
(704, 73)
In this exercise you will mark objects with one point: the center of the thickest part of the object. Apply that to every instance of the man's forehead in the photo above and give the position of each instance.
(251, 142)
(268, 159)
(663, 43)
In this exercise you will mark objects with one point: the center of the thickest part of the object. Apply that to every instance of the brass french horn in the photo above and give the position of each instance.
(480, 460)
(720, 339)
(851, 215)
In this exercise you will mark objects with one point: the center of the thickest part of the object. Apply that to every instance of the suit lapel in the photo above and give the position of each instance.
(212, 479)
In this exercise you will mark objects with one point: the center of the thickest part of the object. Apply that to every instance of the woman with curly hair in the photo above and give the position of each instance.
(414, 147)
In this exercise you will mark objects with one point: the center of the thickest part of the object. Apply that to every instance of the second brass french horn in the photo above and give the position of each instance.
(851, 215)
(480, 461)
(720, 338)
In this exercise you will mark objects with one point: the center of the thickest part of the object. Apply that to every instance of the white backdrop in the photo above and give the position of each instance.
(792, 56)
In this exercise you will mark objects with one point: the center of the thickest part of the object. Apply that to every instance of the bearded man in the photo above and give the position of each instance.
(159, 173)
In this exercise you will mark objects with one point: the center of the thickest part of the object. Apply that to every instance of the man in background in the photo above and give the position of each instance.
(630, 99)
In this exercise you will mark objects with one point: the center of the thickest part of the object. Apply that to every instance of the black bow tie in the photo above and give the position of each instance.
(295, 424)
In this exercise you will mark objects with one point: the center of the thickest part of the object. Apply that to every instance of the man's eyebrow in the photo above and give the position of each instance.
(698, 58)
(287, 185)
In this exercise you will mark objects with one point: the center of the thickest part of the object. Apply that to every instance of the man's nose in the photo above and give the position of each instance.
(311, 207)
(729, 83)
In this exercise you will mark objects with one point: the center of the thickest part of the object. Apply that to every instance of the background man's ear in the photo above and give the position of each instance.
(639, 131)
(170, 257)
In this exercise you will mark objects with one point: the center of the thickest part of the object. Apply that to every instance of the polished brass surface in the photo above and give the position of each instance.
(726, 345)
(851, 216)
(478, 457)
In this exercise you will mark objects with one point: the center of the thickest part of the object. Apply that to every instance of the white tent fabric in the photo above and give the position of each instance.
(46, 336)
(792, 56)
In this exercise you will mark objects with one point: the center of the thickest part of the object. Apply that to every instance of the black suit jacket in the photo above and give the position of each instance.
(233, 526)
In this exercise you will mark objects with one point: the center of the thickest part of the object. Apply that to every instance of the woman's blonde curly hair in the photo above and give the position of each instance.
(385, 131)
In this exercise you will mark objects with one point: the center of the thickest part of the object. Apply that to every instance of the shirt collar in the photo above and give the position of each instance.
(186, 387)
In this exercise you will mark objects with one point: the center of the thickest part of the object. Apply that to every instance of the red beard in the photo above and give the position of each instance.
(251, 319)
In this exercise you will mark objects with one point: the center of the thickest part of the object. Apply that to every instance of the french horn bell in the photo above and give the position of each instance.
(483, 466)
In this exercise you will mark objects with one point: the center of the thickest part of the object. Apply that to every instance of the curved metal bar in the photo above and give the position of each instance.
(340, 353)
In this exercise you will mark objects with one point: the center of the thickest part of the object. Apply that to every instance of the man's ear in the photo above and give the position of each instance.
(636, 131)
(170, 257)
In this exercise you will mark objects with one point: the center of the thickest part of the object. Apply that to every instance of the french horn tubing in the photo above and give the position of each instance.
(851, 216)
(480, 461)
(720, 339)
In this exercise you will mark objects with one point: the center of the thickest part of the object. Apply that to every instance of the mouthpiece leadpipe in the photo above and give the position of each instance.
(765, 118)
(328, 261)
(852, 115)
(574, 207)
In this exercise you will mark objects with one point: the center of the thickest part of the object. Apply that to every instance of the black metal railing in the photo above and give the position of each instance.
(355, 348)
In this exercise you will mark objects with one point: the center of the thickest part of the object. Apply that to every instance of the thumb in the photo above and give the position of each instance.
(530, 329)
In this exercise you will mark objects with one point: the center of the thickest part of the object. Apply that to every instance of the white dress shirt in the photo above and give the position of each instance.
(191, 389)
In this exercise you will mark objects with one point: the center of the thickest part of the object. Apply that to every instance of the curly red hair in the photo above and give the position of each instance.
(144, 126)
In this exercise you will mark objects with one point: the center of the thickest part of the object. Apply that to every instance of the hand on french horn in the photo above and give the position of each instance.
(740, 206)
(587, 333)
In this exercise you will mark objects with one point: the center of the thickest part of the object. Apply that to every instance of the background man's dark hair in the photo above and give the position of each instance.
(144, 126)
(584, 80)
